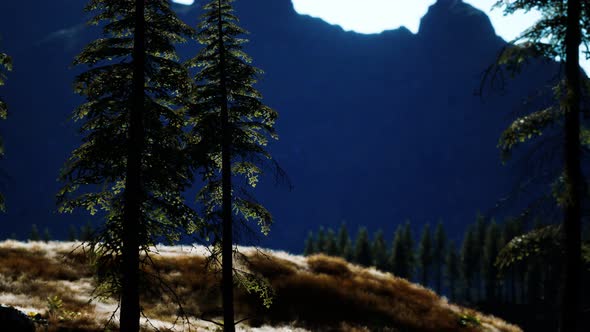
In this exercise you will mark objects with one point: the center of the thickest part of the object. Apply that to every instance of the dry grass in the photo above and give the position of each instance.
(314, 293)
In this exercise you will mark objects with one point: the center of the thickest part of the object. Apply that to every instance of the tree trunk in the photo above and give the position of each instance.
(130, 309)
(572, 172)
(226, 187)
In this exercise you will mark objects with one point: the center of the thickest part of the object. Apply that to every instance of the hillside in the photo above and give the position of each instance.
(53, 282)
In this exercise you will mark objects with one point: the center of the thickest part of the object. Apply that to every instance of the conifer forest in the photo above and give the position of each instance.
(239, 165)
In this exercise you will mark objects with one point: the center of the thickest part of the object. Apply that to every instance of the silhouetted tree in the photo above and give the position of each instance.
(453, 271)
(491, 248)
(344, 243)
(309, 247)
(34, 235)
(438, 255)
(46, 235)
(478, 245)
(331, 248)
(5, 65)
(469, 261)
(362, 248)
(409, 245)
(131, 163)
(86, 232)
(231, 126)
(557, 34)
(425, 254)
(320, 243)
(401, 260)
(379, 250)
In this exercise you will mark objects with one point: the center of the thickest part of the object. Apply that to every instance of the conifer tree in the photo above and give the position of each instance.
(331, 246)
(5, 65)
(491, 248)
(72, 233)
(438, 255)
(379, 250)
(469, 261)
(344, 243)
(558, 34)
(453, 271)
(131, 167)
(409, 249)
(230, 127)
(309, 246)
(401, 258)
(425, 254)
(320, 243)
(46, 235)
(362, 248)
(35, 235)
(479, 235)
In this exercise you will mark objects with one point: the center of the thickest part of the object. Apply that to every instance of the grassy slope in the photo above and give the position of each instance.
(318, 293)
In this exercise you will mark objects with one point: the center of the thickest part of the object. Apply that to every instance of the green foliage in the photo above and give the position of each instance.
(344, 243)
(251, 123)
(465, 320)
(379, 250)
(362, 248)
(544, 242)
(491, 248)
(94, 175)
(331, 247)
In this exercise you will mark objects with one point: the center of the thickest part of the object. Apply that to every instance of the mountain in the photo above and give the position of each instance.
(375, 129)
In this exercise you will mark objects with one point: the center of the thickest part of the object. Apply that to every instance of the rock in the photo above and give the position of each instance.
(13, 320)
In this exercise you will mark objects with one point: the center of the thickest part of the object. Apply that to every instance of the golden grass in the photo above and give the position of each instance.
(315, 293)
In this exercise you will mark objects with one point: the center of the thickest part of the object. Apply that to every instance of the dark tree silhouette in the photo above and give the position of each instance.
(452, 270)
(72, 233)
(5, 65)
(425, 255)
(344, 243)
(379, 250)
(34, 235)
(131, 164)
(331, 247)
(362, 248)
(401, 260)
(230, 127)
(309, 246)
(438, 255)
(491, 248)
(469, 261)
(320, 243)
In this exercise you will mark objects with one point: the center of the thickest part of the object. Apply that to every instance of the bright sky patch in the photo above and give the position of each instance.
(184, 2)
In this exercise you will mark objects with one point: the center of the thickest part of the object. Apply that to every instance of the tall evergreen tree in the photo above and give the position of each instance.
(410, 252)
(34, 235)
(320, 243)
(344, 243)
(491, 248)
(452, 270)
(362, 248)
(309, 246)
(131, 164)
(480, 228)
(470, 262)
(331, 248)
(401, 259)
(46, 235)
(5, 65)
(438, 255)
(230, 127)
(379, 250)
(425, 255)
(558, 34)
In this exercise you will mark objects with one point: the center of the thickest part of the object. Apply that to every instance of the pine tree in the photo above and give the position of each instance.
(309, 247)
(34, 235)
(331, 248)
(5, 65)
(491, 249)
(479, 235)
(453, 271)
(558, 34)
(379, 250)
(438, 255)
(362, 248)
(401, 259)
(344, 243)
(469, 261)
(320, 243)
(425, 254)
(46, 235)
(131, 168)
(230, 127)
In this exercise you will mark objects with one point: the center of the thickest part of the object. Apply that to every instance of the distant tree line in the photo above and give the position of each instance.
(468, 273)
